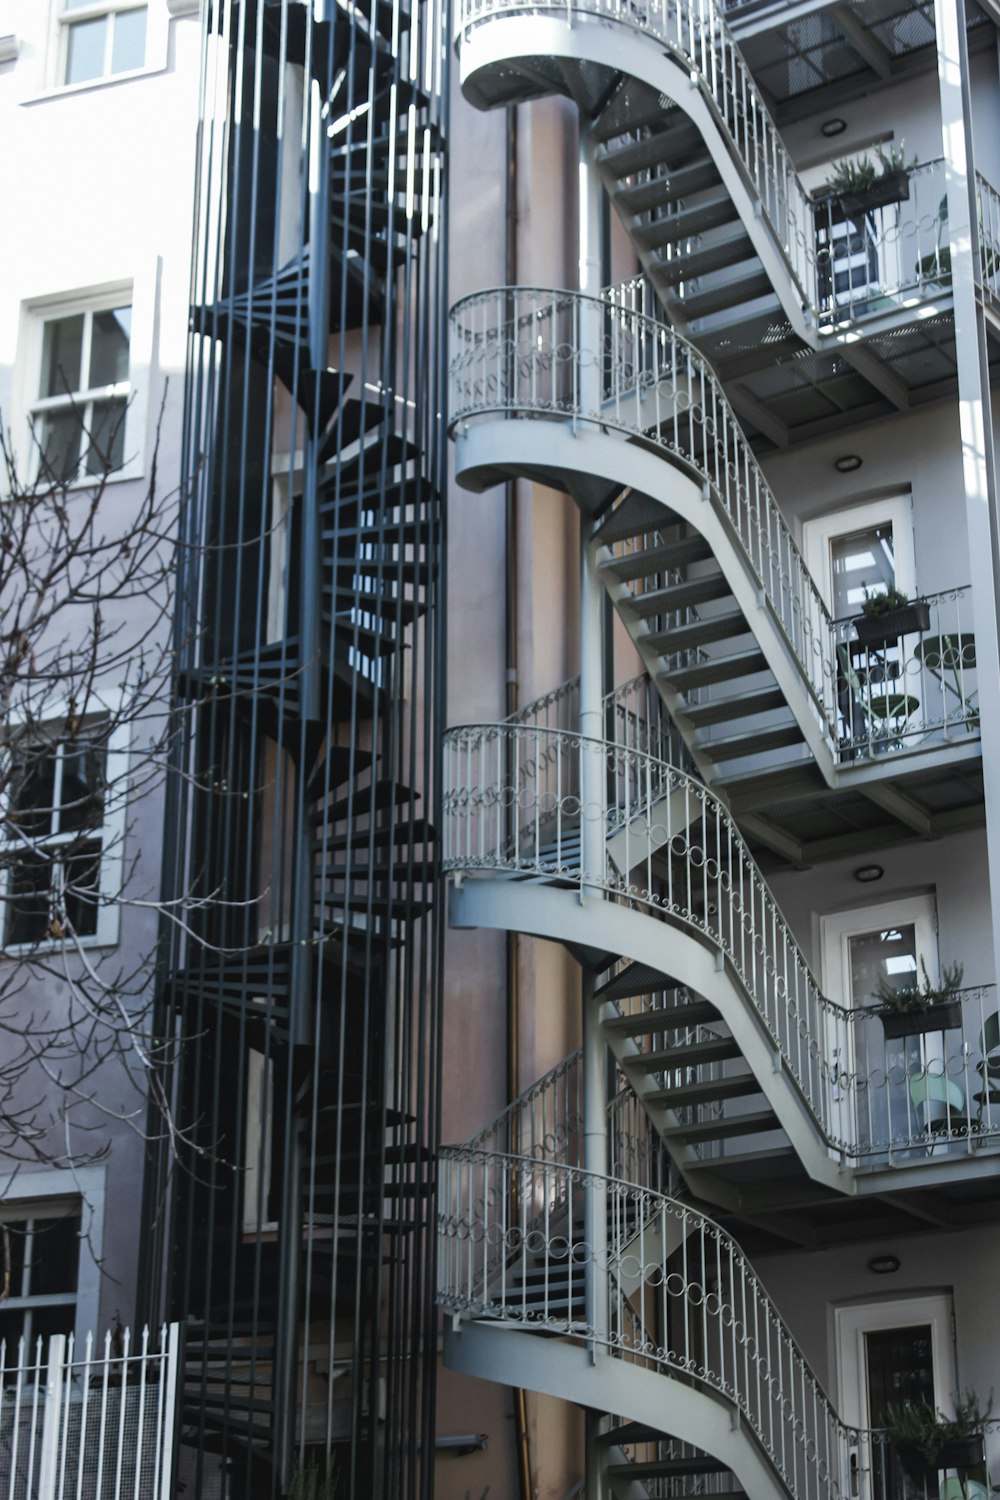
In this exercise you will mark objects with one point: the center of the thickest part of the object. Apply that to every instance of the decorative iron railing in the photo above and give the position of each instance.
(988, 206)
(871, 257)
(528, 350)
(706, 1318)
(512, 802)
(96, 1423)
(695, 34)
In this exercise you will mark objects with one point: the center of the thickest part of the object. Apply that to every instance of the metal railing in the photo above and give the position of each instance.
(96, 1424)
(706, 1318)
(671, 848)
(988, 207)
(529, 350)
(870, 256)
(695, 34)
(915, 687)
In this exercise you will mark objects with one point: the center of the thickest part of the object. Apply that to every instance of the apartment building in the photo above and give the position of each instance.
(724, 320)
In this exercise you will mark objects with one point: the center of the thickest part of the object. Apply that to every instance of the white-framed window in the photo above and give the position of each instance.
(39, 1270)
(101, 39)
(61, 839)
(81, 395)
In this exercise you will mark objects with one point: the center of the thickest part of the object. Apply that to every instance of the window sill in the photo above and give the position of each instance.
(22, 951)
(71, 90)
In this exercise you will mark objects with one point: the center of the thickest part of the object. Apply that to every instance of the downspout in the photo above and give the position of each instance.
(522, 1452)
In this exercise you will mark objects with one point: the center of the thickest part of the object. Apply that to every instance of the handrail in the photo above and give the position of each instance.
(679, 855)
(715, 1324)
(606, 362)
(695, 34)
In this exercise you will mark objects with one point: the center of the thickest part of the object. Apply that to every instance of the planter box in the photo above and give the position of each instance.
(947, 1017)
(894, 187)
(962, 1453)
(881, 630)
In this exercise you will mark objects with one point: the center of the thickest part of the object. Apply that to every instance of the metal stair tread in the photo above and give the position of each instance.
(690, 1055)
(680, 595)
(720, 627)
(677, 141)
(636, 514)
(709, 1091)
(728, 251)
(633, 106)
(670, 1018)
(639, 1432)
(751, 742)
(670, 228)
(740, 706)
(658, 559)
(693, 177)
(636, 979)
(726, 294)
(666, 1468)
(715, 669)
(724, 1127)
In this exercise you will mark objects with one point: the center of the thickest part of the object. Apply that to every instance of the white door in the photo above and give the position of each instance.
(870, 1075)
(888, 1353)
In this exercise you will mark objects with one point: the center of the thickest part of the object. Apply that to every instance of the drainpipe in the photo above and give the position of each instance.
(593, 790)
(975, 415)
(522, 1454)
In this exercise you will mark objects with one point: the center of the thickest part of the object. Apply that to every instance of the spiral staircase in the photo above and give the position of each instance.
(741, 1087)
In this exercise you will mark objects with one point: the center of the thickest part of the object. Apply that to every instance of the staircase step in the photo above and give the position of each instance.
(693, 1055)
(668, 188)
(725, 252)
(659, 559)
(635, 515)
(753, 742)
(669, 1018)
(708, 1092)
(715, 669)
(669, 145)
(670, 229)
(667, 1468)
(722, 627)
(722, 1129)
(632, 107)
(734, 293)
(637, 979)
(680, 596)
(742, 706)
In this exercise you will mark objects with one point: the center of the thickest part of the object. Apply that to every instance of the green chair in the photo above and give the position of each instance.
(940, 1103)
(967, 1488)
(989, 1066)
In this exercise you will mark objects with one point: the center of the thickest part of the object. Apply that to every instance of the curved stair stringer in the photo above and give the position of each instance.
(598, 42)
(552, 452)
(605, 927)
(552, 1367)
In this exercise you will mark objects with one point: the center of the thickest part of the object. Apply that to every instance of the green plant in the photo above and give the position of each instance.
(918, 1425)
(857, 176)
(916, 996)
(876, 605)
(310, 1483)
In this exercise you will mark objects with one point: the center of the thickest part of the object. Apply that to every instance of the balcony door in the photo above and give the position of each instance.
(852, 554)
(870, 1075)
(888, 1353)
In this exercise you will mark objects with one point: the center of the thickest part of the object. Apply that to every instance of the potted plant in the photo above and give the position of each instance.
(859, 186)
(886, 616)
(926, 1441)
(916, 1007)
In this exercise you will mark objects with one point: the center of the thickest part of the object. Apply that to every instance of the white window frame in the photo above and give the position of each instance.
(24, 1194)
(94, 11)
(819, 531)
(111, 833)
(139, 292)
(82, 400)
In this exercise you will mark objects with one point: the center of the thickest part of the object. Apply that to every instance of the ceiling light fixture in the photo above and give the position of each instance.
(848, 463)
(884, 1265)
(866, 873)
(833, 127)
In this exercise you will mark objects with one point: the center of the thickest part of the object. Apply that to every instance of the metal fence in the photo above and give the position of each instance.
(95, 1423)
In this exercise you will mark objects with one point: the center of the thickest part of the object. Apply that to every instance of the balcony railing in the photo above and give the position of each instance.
(512, 802)
(912, 690)
(95, 1423)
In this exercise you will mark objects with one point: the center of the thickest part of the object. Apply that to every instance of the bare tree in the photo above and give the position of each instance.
(86, 575)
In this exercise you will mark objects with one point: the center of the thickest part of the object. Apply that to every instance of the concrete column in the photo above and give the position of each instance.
(978, 458)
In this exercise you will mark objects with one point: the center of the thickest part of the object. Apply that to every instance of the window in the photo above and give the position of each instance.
(101, 39)
(62, 832)
(78, 416)
(39, 1269)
